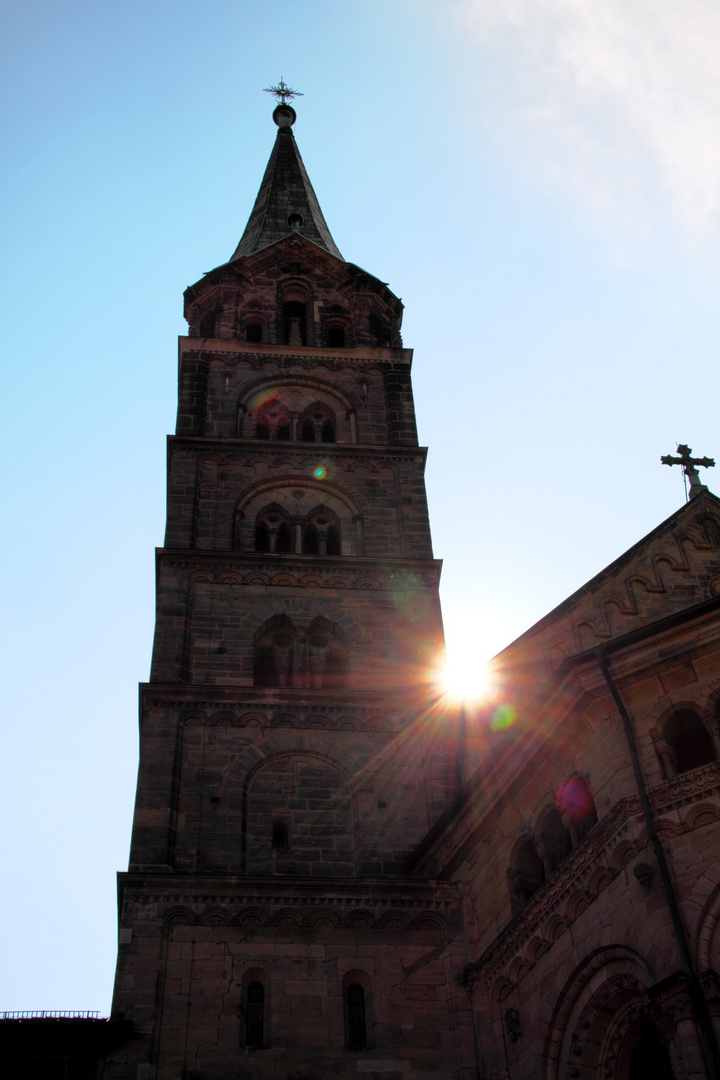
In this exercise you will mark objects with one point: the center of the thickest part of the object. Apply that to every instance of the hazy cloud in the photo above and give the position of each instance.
(624, 95)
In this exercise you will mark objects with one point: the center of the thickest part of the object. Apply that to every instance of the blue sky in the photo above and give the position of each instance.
(539, 180)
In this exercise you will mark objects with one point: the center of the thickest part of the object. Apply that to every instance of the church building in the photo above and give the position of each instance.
(333, 871)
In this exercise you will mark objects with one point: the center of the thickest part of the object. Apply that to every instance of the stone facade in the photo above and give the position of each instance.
(569, 972)
(332, 872)
(291, 761)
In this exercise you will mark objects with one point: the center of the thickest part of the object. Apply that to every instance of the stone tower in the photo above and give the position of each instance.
(292, 757)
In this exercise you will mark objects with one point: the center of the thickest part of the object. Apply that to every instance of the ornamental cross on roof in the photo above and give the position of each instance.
(283, 92)
(689, 465)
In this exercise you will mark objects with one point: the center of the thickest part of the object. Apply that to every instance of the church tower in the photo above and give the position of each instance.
(291, 755)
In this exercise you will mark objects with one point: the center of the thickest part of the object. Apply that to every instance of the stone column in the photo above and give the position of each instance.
(713, 727)
(359, 535)
(667, 758)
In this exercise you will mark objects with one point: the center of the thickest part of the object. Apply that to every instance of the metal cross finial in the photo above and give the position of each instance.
(689, 465)
(283, 92)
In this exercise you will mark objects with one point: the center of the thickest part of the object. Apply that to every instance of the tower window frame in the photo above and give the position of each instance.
(358, 1011)
(688, 739)
(526, 874)
(208, 322)
(318, 423)
(295, 322)
(273, 420)
(577, 807)
(273, 531)
(336, 334)
(255, 1009)
(357, 1031)
(255, 1014)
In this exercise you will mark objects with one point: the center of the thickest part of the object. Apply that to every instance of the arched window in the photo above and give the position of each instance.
(526, 875)
(333, 540)
(317, 424)
(262, 536)
(273, 420)
(318, 658)
(283, 540)
(379, 331)
(255, 1008)
(326, 655)
(321, 533)
(273, 531)
(208, 324)
(254, 332)
(689, 741)
(357, 1037)
(578, 805)
(255, 1014)
(555, 842)
(294, 328)
(310, 540)
(307, 431)
(274, 661)
(335, 667)
(358, 1009)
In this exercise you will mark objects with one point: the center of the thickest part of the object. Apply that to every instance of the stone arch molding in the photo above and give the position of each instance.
(298, 498)
(707, 933)
(596, 1009)
(317, 657)
(297, 393)
(307, 798)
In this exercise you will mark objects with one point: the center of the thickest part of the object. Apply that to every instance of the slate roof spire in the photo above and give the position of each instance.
(286, 202)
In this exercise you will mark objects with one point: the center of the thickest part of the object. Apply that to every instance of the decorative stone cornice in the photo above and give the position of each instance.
(367, 707)
(382, 905)
(682, 790)
(265, 715)
(331, 572)
(304, 356)
(232, 449)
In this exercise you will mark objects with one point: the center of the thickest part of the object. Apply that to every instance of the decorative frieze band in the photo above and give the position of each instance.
(291, 910)
(227, 568)
(262, 715)
(307, 360)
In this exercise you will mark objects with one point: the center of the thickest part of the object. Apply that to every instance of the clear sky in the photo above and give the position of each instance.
(539, 180)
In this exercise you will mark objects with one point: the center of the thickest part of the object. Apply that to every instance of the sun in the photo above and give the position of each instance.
(464, 679)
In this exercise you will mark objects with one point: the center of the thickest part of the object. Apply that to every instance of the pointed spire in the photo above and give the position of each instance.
(286, 202)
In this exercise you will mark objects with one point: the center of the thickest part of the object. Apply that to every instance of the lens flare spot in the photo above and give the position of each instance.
(503, 717)
(575, 798)
(320, 473)
(267, 399)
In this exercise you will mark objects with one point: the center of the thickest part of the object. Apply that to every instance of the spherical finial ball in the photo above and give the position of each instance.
(284, 116)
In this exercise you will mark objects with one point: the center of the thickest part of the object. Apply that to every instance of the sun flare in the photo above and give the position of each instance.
(464, 679)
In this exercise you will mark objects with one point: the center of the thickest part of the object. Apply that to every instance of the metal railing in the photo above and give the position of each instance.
(51, 1014)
